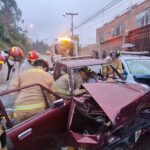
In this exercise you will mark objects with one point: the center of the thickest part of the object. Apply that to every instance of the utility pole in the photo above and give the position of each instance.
(72, 25)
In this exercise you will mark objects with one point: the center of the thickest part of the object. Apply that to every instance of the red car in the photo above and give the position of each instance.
(109, 115)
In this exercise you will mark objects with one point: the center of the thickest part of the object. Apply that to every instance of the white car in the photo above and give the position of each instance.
(136, 68)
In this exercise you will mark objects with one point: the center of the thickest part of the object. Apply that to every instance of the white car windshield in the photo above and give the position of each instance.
(139, 67)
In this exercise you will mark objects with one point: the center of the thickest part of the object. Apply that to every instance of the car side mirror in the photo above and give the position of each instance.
(58, 103)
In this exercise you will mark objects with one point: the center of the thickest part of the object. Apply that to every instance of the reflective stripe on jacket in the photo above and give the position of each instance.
(29, 107)
(107, 70)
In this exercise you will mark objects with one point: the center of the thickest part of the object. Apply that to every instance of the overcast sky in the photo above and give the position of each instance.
(44, 20)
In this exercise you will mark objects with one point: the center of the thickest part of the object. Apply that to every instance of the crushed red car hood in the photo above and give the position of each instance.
(113, 97)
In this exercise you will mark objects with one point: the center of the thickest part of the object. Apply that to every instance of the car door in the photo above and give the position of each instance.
(40, 132)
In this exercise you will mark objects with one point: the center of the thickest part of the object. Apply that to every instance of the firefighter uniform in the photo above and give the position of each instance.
(12, 64)
(63, 86)
(2, 60)
(10, 70)
(29, 62)
(64, 83)
(108, 71)
(30, 101)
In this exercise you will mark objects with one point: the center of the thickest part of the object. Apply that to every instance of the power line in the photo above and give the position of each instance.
(111, 17)
(84, 13)
(108, 6)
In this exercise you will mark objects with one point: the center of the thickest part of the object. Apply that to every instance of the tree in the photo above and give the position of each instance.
(10, 14)
(10, 33)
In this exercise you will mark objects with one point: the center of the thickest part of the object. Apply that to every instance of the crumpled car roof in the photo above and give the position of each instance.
(82, 62)
(113, 97)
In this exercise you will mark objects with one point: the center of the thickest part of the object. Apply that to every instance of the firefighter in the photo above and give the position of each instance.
(12, 63)
(113, 59)
(2, 60)
(31, 101)
(79, 77)
(29, 62)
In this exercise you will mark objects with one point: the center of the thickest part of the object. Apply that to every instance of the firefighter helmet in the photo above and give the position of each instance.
(115, 53)
(2, 59)
(33, 55)
(16, 53)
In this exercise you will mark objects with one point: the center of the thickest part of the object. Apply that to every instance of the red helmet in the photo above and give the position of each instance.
(16, 52)
(33, 55)
(2, 59)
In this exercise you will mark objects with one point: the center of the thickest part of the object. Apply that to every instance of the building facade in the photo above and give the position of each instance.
(92, 50)
(122, 29)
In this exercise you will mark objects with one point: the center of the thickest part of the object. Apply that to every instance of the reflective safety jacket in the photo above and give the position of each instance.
(63, 84)
(108, 71)
(10, 70)
(31, 99)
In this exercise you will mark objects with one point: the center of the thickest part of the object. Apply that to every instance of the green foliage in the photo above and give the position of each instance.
(10, 33)
(4, 45)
